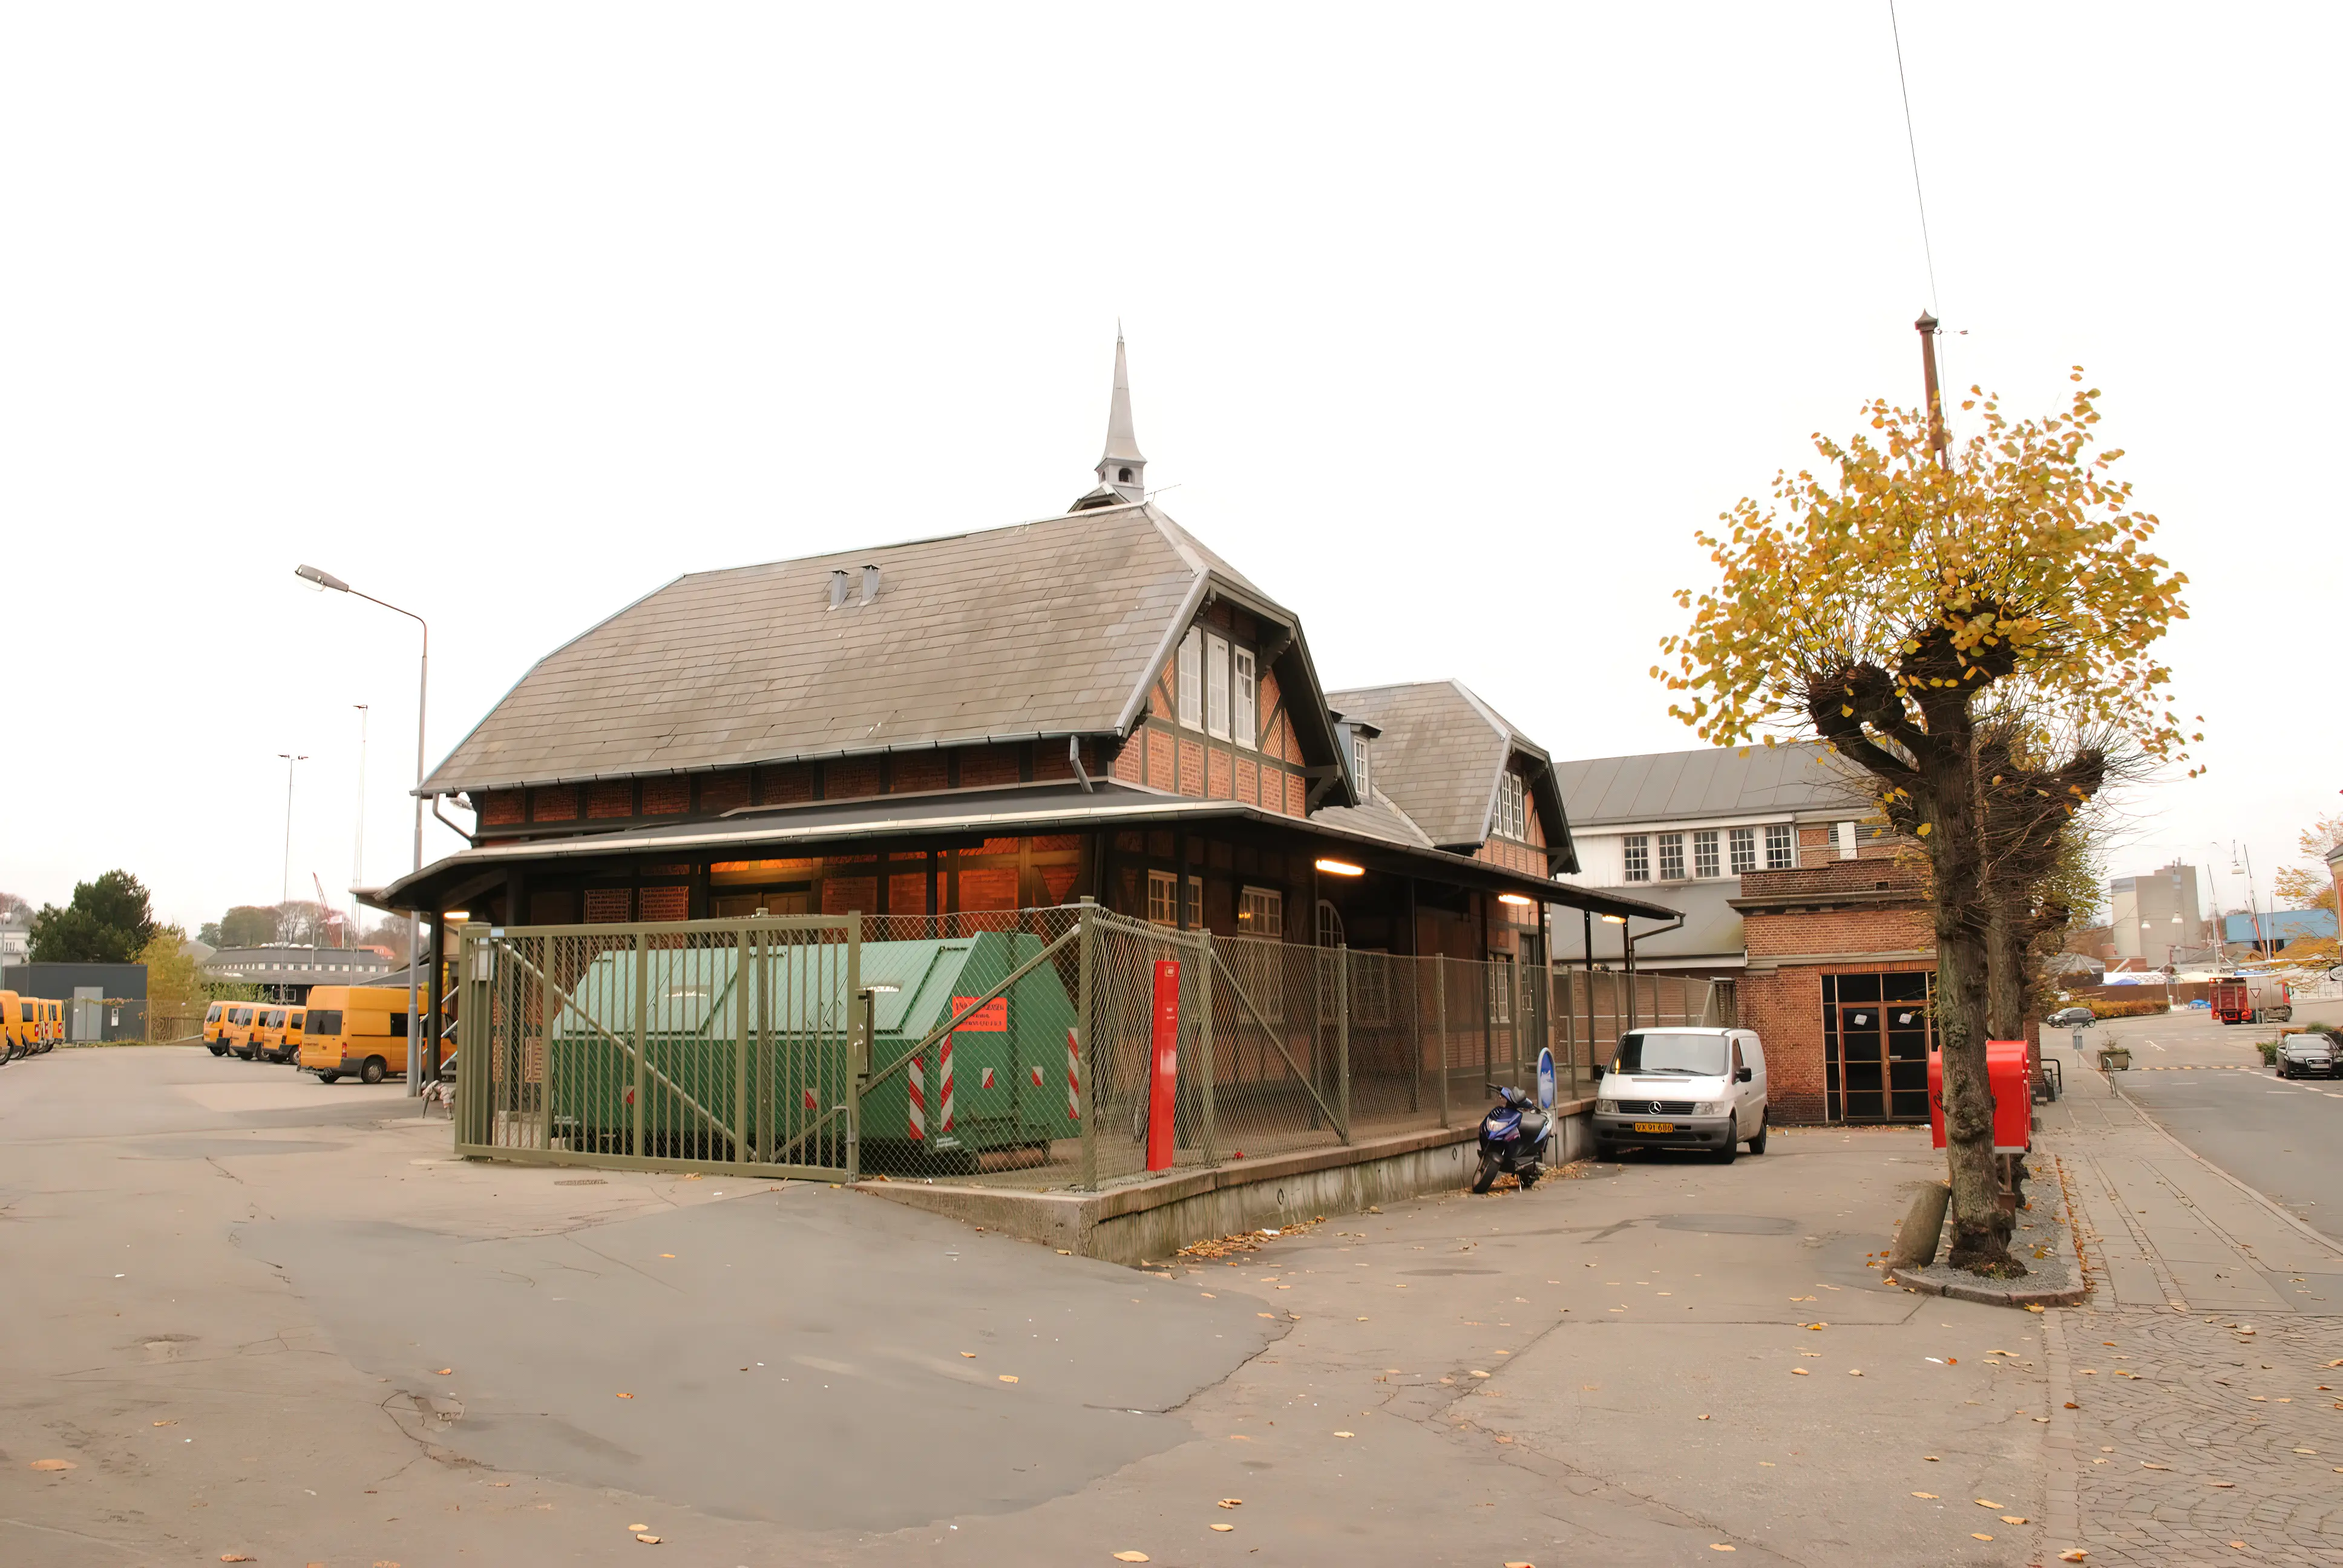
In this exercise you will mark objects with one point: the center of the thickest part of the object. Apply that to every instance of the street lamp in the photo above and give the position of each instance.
(325, 579)
(284, 881)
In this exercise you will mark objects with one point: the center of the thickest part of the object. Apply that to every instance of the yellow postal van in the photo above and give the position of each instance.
(278, 1038)
(215, 1028)
(243, 1021)
(359, 1031)
(15, 1031)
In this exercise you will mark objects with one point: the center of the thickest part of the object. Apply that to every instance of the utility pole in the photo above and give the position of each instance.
(285, 883)
(1926, 327)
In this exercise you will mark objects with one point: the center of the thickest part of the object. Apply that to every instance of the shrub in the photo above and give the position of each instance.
(2125, 1009)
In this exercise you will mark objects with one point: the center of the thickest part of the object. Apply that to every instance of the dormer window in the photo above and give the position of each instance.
(1513, 807)
(1363, 764)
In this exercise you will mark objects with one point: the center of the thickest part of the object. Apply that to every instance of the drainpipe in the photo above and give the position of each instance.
(1074, 756)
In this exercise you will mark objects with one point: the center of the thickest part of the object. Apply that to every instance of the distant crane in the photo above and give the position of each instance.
(332, 918)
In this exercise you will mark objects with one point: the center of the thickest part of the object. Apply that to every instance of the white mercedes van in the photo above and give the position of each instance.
(1684, 1087)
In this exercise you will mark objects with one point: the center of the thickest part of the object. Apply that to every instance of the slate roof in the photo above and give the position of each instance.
(1439, 755)
(1376, 818)
(1711, 935)
(1039, 630)
(1725, 781)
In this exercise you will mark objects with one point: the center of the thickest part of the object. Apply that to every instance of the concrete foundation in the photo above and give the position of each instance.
(1153, 1220)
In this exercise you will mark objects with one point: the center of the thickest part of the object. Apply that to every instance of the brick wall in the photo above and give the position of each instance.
(917, 770)
(666, 797)
(850, 779)
(557, 803)
(982, 765)
(1191, 767)
(790, 785)
(500, 808)
(611, 797)
(721, 792)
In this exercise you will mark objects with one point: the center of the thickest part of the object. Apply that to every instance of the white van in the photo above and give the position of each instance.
(1684, 1087)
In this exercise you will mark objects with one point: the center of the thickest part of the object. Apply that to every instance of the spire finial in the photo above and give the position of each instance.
(1122, 468)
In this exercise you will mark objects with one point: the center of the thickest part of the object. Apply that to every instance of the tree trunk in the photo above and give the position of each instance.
(1980, 1228)
(2008, 952)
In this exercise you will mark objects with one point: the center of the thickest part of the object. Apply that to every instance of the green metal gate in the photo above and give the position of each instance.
(721, 1045)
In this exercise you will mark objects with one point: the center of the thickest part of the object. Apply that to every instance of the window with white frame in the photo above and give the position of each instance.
(1501, 988)
(1363, 763)
(1162, 895)
(1513, 806)
(1248, 694)
(1216, 687)
(1705, 862)
(1638, 847)
(1190, 680)
(1781, 852)
(1261, 912)
(1672, 858)
(1744, 850)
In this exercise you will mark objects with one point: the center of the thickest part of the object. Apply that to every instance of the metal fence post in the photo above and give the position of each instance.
(860, 1012)
(545, 1055)
(1440, 1012)
(1342, 1037)
(1207, 1065)
(1086, 1086)
(740, 1056)
(642, 1028)
(473, 1008)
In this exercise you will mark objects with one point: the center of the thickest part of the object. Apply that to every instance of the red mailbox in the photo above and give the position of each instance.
(2007, 1077)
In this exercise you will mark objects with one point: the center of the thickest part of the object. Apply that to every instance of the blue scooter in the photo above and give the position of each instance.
(1513, 1136)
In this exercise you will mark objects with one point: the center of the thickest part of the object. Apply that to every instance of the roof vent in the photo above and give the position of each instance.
(869, 583)
(837, 587)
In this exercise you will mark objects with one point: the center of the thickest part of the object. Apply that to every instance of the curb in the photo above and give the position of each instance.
(1991, 1297)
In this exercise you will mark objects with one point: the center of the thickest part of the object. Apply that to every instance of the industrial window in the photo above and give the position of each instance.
(1744, 850)
(1704, 854)
(1780, 852)
(1672, 858)
(1639, 857)
(1162, 895)
(1248, 725)
(1190, 681)
(1216, 687)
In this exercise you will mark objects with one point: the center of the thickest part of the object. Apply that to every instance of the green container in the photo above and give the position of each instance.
(794, 998)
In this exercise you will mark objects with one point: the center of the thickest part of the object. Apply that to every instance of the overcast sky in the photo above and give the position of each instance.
(1447, 325)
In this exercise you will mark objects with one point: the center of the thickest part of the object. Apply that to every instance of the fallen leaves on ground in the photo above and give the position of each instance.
(622, 1396)
(1798, 1372)
(54, 1464)
(1224, 1528)
(234, 1557)
(1008, 1377)
(1930, 1495)
(648, 1540)
(1131, 1556)
(968, 1355)
(1721, 1546)
(2073, 1554)
(1232, 1502)
(1979, 1535)
(447, 1371)
(2013, 1519)
(1244, 1241)
(1988, 1503)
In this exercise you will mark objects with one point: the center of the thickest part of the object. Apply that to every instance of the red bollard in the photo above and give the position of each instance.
(1165, 1078)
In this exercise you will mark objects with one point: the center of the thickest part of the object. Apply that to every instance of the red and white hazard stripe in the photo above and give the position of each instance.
(985, 1081)
(914, 1081)
(810, 1100)
(1036, 1071)
(944, 1096)
(1073, 1077)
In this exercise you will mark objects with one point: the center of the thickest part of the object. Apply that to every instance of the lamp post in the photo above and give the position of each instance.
(357, 847)
(284, 881)
(325, 579)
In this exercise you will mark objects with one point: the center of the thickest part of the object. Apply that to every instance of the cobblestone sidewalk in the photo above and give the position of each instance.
(2206, 1370)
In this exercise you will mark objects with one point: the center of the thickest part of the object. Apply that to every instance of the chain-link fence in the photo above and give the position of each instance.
(1062, 1046)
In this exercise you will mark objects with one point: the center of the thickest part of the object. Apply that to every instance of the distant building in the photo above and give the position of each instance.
(2243, 936)
(2150, 916)
(102, 1001)
(15, 944)
(1791, 886)
(285, 973)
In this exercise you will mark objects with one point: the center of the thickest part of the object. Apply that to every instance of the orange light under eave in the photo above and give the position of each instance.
(1342, 868)
(1515, 899)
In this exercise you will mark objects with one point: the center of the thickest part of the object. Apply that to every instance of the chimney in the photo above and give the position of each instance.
(837, 589)
(869, 583)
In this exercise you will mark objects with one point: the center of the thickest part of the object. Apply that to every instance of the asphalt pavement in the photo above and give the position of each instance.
(2204, 1082)
(253, 1317)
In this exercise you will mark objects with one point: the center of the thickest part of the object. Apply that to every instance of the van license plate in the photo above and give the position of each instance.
(1655, 1127)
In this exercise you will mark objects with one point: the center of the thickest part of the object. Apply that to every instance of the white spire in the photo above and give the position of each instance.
(1122, 468)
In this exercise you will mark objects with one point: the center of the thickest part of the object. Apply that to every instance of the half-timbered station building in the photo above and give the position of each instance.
(1093, 704)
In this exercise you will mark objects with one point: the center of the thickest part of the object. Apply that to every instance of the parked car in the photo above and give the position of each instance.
(1684, 1088)
(2072, 1018)
(2312, 1053)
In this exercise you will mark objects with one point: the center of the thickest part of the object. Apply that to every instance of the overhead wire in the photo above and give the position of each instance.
(1920, 200)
